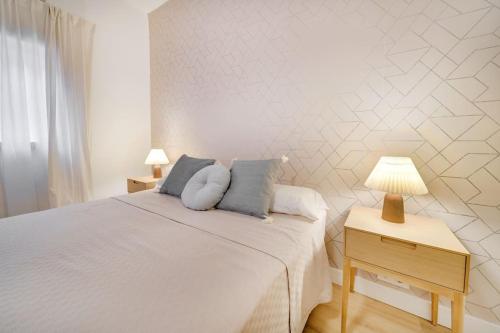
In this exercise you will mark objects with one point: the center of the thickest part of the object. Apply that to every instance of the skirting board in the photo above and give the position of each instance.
(412, 304)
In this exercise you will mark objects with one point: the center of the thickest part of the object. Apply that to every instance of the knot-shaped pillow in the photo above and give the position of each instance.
(206, 188)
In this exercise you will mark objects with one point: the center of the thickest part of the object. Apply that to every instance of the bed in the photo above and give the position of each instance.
(144, 262)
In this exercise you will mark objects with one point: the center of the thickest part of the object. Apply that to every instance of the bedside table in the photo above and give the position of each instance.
(422, 252)
(137, 184)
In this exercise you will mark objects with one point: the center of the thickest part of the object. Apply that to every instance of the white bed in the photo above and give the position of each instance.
(144, 262)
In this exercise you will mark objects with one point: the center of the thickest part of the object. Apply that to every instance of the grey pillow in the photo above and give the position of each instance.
(251, 188)
(206, 188)
(182, 171)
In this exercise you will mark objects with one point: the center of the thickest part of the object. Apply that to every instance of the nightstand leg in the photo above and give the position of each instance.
(434, 308)
(346, 281)
(457, 324)
(353, 276)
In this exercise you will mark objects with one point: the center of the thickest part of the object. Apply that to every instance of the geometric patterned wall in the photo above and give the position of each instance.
(335, 85)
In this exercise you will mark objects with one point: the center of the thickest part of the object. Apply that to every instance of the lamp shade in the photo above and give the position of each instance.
(396, 175)
(156, 156)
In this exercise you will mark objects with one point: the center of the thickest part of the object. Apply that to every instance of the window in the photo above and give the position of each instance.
(26, 99)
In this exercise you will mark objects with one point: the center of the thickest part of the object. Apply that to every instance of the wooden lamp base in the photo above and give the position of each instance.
(394, 210)
(156, 171)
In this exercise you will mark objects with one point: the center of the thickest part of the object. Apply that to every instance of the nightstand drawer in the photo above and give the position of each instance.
(438, 266)
(134, 185)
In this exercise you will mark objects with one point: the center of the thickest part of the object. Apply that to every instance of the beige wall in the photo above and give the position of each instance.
(335, 85)
(119, 97)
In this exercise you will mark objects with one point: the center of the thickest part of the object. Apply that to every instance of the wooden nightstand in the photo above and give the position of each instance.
(422, 252)
(137, 184)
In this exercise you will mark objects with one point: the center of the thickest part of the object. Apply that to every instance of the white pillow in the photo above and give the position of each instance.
(296, 200)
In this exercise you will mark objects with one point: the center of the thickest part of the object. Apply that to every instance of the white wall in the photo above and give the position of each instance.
(334, 85)
(120, 102)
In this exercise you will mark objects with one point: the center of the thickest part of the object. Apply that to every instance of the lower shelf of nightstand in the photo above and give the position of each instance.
(457, 297)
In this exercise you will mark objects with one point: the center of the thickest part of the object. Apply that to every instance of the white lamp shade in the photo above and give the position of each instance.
(396, 175)
(156, 156)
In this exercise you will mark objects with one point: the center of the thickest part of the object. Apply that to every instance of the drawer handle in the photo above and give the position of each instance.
(390, 241)
(135, 182)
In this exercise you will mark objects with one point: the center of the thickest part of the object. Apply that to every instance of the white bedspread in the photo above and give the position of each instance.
(145, 263)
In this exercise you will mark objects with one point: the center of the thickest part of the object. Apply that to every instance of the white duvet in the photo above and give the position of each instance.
(145, 263)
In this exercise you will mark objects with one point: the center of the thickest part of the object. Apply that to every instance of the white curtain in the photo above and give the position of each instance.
(44, 77)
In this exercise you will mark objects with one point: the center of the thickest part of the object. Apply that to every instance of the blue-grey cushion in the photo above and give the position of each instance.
(180, 174)
(251, 188)
(206, 188)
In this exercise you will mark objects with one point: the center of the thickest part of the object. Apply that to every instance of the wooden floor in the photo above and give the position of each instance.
(366, 315)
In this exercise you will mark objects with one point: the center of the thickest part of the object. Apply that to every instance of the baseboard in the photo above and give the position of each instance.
(412, 304)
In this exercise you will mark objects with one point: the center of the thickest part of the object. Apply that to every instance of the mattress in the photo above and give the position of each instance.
(143, 262)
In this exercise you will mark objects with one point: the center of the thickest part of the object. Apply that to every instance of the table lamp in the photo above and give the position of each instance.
(156, 158)
(395, 176)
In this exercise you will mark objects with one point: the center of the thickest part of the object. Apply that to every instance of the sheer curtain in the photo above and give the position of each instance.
(44, 76)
